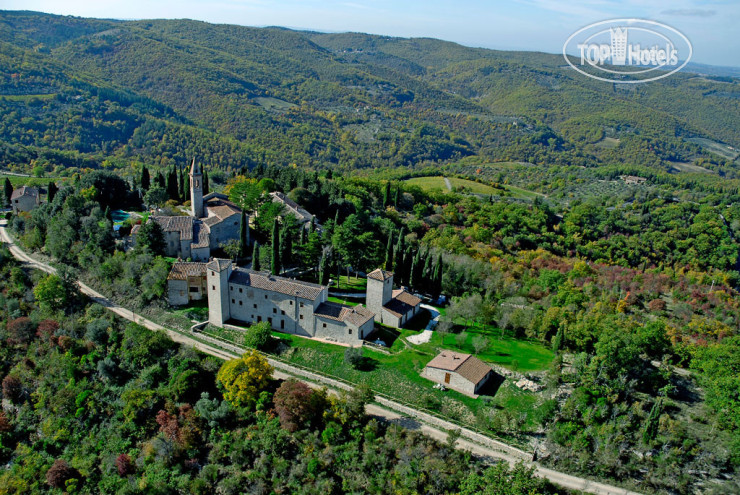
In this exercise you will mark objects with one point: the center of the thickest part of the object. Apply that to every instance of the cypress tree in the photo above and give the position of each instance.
(302, 238)
(395, 199)
(51, 192)
(651, 425)
(256, 257)
(205, 182)
(275, 265)
(243, 235)
(557, 342)
(323, 270)
(389, 252)
(145, 178)
(387, 194)
(173, 190)
(183, 186)
(438, 277)
(161, 182)
(286, 246)
(8, 191)
(398, 253)
(412, 273)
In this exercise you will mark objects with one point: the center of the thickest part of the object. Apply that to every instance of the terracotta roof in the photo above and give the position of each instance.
(218, 264)
(25, 191)
(183, 225)
(201, 236)
(469, 367)
(379, 274)
(182, 270)
(219, 209)
(356, 315)
(406, 297)
(272, 283)
(294, 208)
(401, 303)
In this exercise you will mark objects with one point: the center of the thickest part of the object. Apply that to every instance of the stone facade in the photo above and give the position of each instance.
(462, 372)
(391, 307)
(214, 221)
(290, 306)
(25, 198)
(186, 282)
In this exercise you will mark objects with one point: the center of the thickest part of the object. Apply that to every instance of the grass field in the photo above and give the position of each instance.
(608, 143)
(438, 183)
(715, 147)
(347, 302)
(398, 375)
(269, 103)
(19, 181)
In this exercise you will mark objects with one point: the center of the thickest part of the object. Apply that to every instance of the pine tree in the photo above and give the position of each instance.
(256, 257)
(243, 235)
(389, 252)
(145, 179)
(275, 265)
(8, 191)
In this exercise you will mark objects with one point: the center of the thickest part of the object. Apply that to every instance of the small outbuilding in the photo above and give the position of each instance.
(26, 198)
(461, 372)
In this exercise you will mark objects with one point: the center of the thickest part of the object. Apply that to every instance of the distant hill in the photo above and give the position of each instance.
(80, 92)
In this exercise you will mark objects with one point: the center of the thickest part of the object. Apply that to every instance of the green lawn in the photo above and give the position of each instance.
(19, 181)
(347, 302)
(351, 284)
(428, 183)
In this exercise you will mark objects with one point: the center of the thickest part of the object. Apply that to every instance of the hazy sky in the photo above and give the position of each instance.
(712, 26)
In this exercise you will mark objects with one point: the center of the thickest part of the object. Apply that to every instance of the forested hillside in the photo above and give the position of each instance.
(81, 92)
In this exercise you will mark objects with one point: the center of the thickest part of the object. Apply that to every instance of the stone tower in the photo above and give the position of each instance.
(196, 190)
(379, 291)
(217, 275)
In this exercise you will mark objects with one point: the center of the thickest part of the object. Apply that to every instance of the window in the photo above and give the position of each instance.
(282, 312)
(350, 331)
(213, 274)
(301, 304)
(291, 303)
(265, 296)
(213, 287)
(269, 320)
(232, 301)
(194, 289)
(240, 303)
(255, 306)
(282, 324)
(240, 290)
(231, 288)
(324, 325)
(274, 311)
(447, 378)
(301, 317)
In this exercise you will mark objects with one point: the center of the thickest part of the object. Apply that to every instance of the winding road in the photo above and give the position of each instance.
(436, 428)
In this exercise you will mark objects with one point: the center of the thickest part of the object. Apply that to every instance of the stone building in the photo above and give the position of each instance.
(290, 306)
(214, 220)
(458, 371)
(186, 282)
(391, 307)
(303, 217)
(26, 198)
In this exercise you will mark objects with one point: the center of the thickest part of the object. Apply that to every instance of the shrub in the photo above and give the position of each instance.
(293, 404)
(59, 473)
(258, 336)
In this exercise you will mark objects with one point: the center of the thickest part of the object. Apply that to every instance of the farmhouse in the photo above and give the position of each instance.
(26, 198)
(213, 221)
(458, 371)
(391, 307)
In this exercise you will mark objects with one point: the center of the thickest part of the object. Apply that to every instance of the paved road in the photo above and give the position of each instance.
(285, 371)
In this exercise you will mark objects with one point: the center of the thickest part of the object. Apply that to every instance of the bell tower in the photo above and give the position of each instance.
(196, 190)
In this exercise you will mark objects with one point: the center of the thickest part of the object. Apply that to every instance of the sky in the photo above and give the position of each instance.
(539, 25)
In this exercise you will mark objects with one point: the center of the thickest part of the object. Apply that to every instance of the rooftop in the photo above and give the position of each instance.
(467, 366)
(182, 270)
(379, 274)
(272, 283)
(356, 315)
(183, 225)
(401, 302)
(25, 191)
